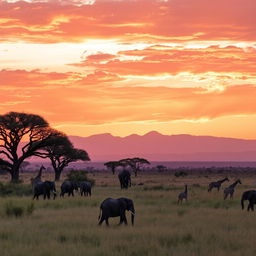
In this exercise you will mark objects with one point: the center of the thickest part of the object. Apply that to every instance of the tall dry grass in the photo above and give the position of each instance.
(205, 225)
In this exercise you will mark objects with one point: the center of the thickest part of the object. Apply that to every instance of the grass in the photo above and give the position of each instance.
(205, 225)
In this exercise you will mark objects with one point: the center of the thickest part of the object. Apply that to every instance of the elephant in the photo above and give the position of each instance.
(246, 196)
(45, 188)
(114, 208)
(68, 187)
(125, 179)
(251, 197)
(85, 188)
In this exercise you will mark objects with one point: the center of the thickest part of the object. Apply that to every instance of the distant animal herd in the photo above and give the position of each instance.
(117, 207)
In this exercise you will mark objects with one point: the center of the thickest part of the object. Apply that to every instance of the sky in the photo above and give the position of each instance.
(131, 66)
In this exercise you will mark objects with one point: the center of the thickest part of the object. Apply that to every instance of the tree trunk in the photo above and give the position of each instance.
(15, 174)
(57, 174)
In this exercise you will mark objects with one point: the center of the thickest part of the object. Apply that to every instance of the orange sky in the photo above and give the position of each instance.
(131, 66)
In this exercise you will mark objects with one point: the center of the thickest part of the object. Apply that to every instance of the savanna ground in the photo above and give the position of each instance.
(205, 225)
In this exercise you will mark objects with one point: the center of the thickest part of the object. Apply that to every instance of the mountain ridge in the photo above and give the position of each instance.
(158, 147)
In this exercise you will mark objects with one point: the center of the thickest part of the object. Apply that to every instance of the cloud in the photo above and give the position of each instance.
(159, 60)
(96, 99)
(72, 21)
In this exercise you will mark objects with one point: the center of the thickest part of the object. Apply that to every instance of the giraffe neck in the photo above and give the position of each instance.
(221, 181)
(234, 184)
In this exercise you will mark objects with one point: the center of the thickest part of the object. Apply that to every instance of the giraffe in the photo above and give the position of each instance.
(183, 195)
(37, 179)
(216, 184)
(231, 189)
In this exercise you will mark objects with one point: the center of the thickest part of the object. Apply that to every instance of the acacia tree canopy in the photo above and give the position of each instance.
(22, 135)
(113, 165)
(63, 153)
(135, 163)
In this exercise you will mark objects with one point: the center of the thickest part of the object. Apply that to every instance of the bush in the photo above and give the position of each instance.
(14, 189)
(18, 210)
(180, 174)
(79, 176)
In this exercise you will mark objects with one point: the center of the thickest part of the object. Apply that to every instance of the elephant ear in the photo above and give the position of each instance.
(129, 203)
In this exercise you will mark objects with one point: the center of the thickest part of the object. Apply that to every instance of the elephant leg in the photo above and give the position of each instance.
(72, 193)
(249, 207)
(106, 220)
(125, 220)
(101, 220)
(121, 220)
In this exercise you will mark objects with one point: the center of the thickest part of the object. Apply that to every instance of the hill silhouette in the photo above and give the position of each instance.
(158, 147)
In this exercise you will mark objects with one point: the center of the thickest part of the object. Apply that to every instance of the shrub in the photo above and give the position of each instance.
(13, 210)
(14, 189)
(18, 210)
(79, 176)
(180, 174)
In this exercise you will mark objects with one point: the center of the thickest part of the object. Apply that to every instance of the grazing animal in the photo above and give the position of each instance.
(116, 208)
(183, 195)
(231, 189)
(38, 178)
(216, 184)
(45, 188)
(68, 187)
(85, 188)
(125, 179)
(246, 196)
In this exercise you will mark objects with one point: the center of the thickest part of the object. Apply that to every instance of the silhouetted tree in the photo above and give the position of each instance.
(64, 153)
(134, 163)
(34, 133)
(112, 165)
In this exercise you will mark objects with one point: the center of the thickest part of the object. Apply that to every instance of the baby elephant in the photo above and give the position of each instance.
(116, 208)
(85, 188)
(68, 187)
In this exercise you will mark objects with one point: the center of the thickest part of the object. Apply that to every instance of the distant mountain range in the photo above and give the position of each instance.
(158, 147)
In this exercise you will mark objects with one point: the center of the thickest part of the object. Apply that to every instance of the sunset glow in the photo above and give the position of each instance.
(131, 66)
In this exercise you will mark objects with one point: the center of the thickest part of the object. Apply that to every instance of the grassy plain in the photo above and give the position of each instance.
(205, 225)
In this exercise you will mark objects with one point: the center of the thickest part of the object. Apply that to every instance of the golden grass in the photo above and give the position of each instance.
(205, 225)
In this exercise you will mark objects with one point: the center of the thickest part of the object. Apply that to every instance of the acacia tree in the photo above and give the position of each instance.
(135, 163)
(22, 136)
(112, 165)
(63, 153)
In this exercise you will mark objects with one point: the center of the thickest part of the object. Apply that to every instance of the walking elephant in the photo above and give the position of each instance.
(116, 208)
(85, 188)
(125, 179)
(45, 188)
(251, 197)
(246, 196)
(68, 187)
